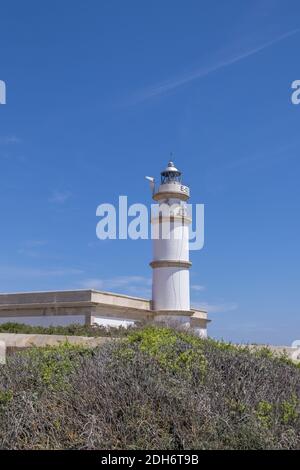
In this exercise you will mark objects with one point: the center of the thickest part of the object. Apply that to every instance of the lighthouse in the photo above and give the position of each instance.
(170, 237)
(170, 302)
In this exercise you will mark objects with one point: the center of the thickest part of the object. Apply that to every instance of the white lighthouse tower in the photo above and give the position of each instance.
(170, 264)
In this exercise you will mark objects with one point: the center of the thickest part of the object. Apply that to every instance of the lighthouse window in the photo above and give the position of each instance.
(170, 177)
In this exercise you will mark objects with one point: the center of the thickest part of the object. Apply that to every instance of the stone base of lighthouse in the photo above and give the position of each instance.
(171, 297)
(186, 320)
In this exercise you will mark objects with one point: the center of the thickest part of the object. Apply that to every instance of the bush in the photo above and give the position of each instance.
(69, 330)
(157, 389)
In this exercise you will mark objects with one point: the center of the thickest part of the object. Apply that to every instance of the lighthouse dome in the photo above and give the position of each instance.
(171, 185)
(171, 174)
(171, 170)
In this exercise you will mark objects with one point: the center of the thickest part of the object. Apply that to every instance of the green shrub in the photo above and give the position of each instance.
(290, 412)
(68, 330)
(175, 350)
(55, 363)
(158, 388)
(264, 413)
(5, 398)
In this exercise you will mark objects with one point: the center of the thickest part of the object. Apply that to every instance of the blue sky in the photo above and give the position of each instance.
(100, 93)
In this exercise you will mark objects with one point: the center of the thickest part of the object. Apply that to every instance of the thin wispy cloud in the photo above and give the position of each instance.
(59, 197)
(6, 143)
(225, 174)
(197, 287)
(32, 248)
(20, 272)
(221, 307)
(223, 59)
(134, 285)
(9, 139)
(35, 243)
(246, 327)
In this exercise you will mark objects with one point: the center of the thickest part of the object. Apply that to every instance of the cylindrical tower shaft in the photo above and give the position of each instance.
(170, 233)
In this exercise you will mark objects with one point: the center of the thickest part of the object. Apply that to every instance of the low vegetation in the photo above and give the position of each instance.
(158, 388)
(69, 330)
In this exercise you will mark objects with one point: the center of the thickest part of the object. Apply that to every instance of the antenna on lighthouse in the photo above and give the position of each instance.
(152, 182)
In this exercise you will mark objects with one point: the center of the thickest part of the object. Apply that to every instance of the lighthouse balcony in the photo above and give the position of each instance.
(172, 189)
